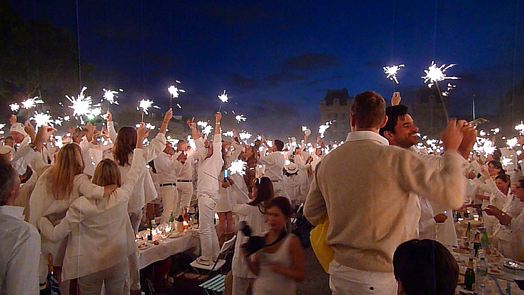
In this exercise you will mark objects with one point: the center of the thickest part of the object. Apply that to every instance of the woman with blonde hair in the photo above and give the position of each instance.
(100, 236)
(55, 190)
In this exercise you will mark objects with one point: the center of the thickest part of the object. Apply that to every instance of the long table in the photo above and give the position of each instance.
(167, 247)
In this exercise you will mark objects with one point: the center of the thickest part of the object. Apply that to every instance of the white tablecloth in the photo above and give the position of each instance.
(168, 247)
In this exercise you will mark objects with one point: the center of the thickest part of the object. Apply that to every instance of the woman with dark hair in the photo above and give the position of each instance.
(144, 189)
(425, 267)
(252, 214)
(280, 263)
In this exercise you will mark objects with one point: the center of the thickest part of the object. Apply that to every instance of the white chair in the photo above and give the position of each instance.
(226, 248)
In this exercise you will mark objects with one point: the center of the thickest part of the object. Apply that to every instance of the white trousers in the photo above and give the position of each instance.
(185, 193)
(170, 202)
(113, 279)
(207, 230)
(134, 269)
(344, 280)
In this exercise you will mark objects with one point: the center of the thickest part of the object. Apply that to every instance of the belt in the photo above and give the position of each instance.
(168, 184)
(181, 180)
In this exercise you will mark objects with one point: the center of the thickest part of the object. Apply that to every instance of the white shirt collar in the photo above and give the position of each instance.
(366, 135)
(14, 211)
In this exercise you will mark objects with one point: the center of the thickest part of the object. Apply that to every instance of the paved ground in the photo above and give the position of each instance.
(317, 281)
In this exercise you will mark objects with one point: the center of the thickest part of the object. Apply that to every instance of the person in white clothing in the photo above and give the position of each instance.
(144, 189)
(210, 164)
(166, 169)
(252, 214)
(184, 182)
(274, 164)
(100, 236)
(20, 251)
(280, 264)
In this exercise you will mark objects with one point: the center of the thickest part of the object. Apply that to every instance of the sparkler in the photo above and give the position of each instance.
(42, 119)
(14, 107)
(240, 118)
(244, 135)
(81, 105)
(207, 130)
(223, 98)
(322, 128)
(512, 142)
(306, 130)
(175, 92)
(145, 105)
(228, 133)
(31, 102)
(238, 167)
(391, 72)
(520, 128)
(110, 96)
(436, 74)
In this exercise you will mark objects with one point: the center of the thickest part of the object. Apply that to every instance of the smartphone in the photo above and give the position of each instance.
(226, 174)
(478, 122)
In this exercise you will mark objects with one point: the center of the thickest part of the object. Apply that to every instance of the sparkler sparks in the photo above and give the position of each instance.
(306, 130)
(110, 96)
(322, 128)
(145, 105)
(207, 130)
(520, 128)
(223, 97)
(391, 72)
(42, 119)
(81, 105)
(238, 167)
(228, 133)
(240, 118)
(512, 142)
(436, 74)
(244, 135)
(174, 91)
(31, 102)
(14, 107)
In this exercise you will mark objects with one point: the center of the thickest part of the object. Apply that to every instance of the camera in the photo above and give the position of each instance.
(254, 243)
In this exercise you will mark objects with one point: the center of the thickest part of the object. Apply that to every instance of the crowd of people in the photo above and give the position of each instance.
(390, 207)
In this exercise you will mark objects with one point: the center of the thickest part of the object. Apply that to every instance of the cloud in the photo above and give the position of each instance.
(284, 77)
(310, 62)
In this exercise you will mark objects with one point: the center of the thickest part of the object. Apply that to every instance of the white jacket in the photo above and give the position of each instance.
(100, 233)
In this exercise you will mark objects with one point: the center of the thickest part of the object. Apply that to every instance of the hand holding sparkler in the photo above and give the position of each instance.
(141, 135)
(43, 135)
(12, 120)
(395, 99)
(218, 118)
(109, 117)
(30, 130)
(165, 122)
(452, 136)
(469, 138)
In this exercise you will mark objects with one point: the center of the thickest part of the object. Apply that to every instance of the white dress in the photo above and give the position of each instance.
(269, 282)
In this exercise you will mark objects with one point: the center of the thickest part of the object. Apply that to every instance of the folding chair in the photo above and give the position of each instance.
(215, 285)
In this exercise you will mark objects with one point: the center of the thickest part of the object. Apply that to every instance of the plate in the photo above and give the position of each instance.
(514, 265)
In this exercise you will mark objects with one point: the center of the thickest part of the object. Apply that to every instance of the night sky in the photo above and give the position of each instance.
(277, 59)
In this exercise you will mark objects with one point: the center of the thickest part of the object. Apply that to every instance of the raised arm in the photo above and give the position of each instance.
(111, 127)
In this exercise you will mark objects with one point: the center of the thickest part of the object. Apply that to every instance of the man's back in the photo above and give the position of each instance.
(20, 253)
(365, 186)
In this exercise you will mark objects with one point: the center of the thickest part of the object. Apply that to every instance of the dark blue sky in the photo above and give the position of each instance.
(277, 59)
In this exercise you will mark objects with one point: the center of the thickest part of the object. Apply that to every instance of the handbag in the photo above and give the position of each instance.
(319, 244)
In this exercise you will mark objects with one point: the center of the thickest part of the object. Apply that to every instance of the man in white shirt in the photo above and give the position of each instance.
(210, 164)
(369, 207)
(166, 170)
(20, 250)
(184, 182)
(274, 166)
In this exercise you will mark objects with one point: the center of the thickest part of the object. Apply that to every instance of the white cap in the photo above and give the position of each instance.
(18, 127)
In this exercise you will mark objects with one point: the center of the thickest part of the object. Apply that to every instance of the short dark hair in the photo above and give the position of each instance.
(279, 144)
(8, 177)
(368, 109)
(497, 165)
(504, 177)
(425, 265)
(393, 113)
(283, 204)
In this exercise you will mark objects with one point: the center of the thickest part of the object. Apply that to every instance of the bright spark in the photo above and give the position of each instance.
(223, 97)
(14, 107)
(322, 128)
(520, 127)
(82, 104)
(42, 119)
(436, 74)
(240, 118)
(110, 96)
(174, 91)
(31, 102)
(512, 142)
(145, 105)
(391, 72)
(207, 130)
(506, 161)
(244, 135)
(228, 133)
(238, 167)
